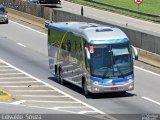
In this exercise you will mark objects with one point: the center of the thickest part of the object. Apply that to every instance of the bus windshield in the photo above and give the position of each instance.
(2, 10)
(112, 60)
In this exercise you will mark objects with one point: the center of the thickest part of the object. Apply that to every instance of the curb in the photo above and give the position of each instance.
(5, 97)
(25, 17)
(149, 57)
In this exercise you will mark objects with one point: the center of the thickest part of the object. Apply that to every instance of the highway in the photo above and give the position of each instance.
(26, 48)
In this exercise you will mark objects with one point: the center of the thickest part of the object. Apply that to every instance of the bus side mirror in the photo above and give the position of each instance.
(88, 54)
(135, 52)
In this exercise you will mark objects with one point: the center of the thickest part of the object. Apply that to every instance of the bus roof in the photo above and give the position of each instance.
(93, 33)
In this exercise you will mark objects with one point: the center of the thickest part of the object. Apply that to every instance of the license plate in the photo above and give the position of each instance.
(114, 88)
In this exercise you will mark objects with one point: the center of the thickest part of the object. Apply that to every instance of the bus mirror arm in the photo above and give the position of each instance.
(88, 54)
(135, 52)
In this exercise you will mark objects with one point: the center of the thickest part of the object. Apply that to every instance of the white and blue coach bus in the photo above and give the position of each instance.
(95, 57)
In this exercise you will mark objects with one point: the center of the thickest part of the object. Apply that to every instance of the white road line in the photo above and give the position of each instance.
(147, 71)
(49, 96)
(93, 108)
(28, 28)
(151, 100)
(18, 102)
(69, 107)
(55, 109)
(11, 74)
(5, 86)
(19, 82)
(84, 112)
(7, 70)
(21, 44)
(33, 91)
(41, 101)
(22, 105)
(4, 66)
(13, 78)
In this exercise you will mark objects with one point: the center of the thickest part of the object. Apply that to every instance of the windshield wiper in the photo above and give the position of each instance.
(106, 72)
(119, 70)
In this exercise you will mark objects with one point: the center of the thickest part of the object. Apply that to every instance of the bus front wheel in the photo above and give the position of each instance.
(85, 89)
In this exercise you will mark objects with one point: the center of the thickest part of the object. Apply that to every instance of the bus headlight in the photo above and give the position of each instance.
(129, 81)
(5, 16)
(130, 87)
(96, 83)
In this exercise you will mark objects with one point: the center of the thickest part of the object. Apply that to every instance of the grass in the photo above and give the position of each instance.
(148, 6)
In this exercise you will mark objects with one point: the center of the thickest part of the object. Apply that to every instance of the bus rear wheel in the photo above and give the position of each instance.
(60, 77)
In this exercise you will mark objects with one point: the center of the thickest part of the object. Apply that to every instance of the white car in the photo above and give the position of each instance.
(3, 15)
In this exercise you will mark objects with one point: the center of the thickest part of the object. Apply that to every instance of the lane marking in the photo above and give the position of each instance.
(13, 78)
(3, 66)
(7, 70)
(83, 112)
(28, 28)
(41, 101)
(66, 111)
(11, 74)
(49, 96)
(21, 44)
(46, 35)
(18, 102)
(19, 82)
(151, 100)
(22, 105)
(69, 107)
(147, 71)
(34, 90)
(23, 86)
(85, 104)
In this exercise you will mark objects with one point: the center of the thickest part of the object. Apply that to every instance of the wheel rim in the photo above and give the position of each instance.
(61, 77)
(85, 88)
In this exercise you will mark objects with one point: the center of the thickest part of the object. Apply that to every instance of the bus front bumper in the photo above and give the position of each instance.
(97, 87)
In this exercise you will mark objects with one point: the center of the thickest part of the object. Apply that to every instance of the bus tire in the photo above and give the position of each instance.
(60, 77)
(85, 89)
(123, 93)
(56, 70)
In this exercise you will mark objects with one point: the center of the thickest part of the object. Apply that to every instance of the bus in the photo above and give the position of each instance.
(95, 57)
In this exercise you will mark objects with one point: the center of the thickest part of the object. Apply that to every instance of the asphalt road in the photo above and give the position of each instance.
(27, 50)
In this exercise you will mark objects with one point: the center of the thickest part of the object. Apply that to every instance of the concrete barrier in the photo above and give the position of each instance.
(148, 44)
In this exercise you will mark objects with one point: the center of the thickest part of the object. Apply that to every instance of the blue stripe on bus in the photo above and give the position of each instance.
(110, 41)
(56, 28)
(115, 80)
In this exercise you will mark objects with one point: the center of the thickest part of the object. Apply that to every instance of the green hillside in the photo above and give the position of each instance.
(148, 6)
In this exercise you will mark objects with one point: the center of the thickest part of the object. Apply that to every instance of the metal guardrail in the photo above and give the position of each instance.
(125, 9)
